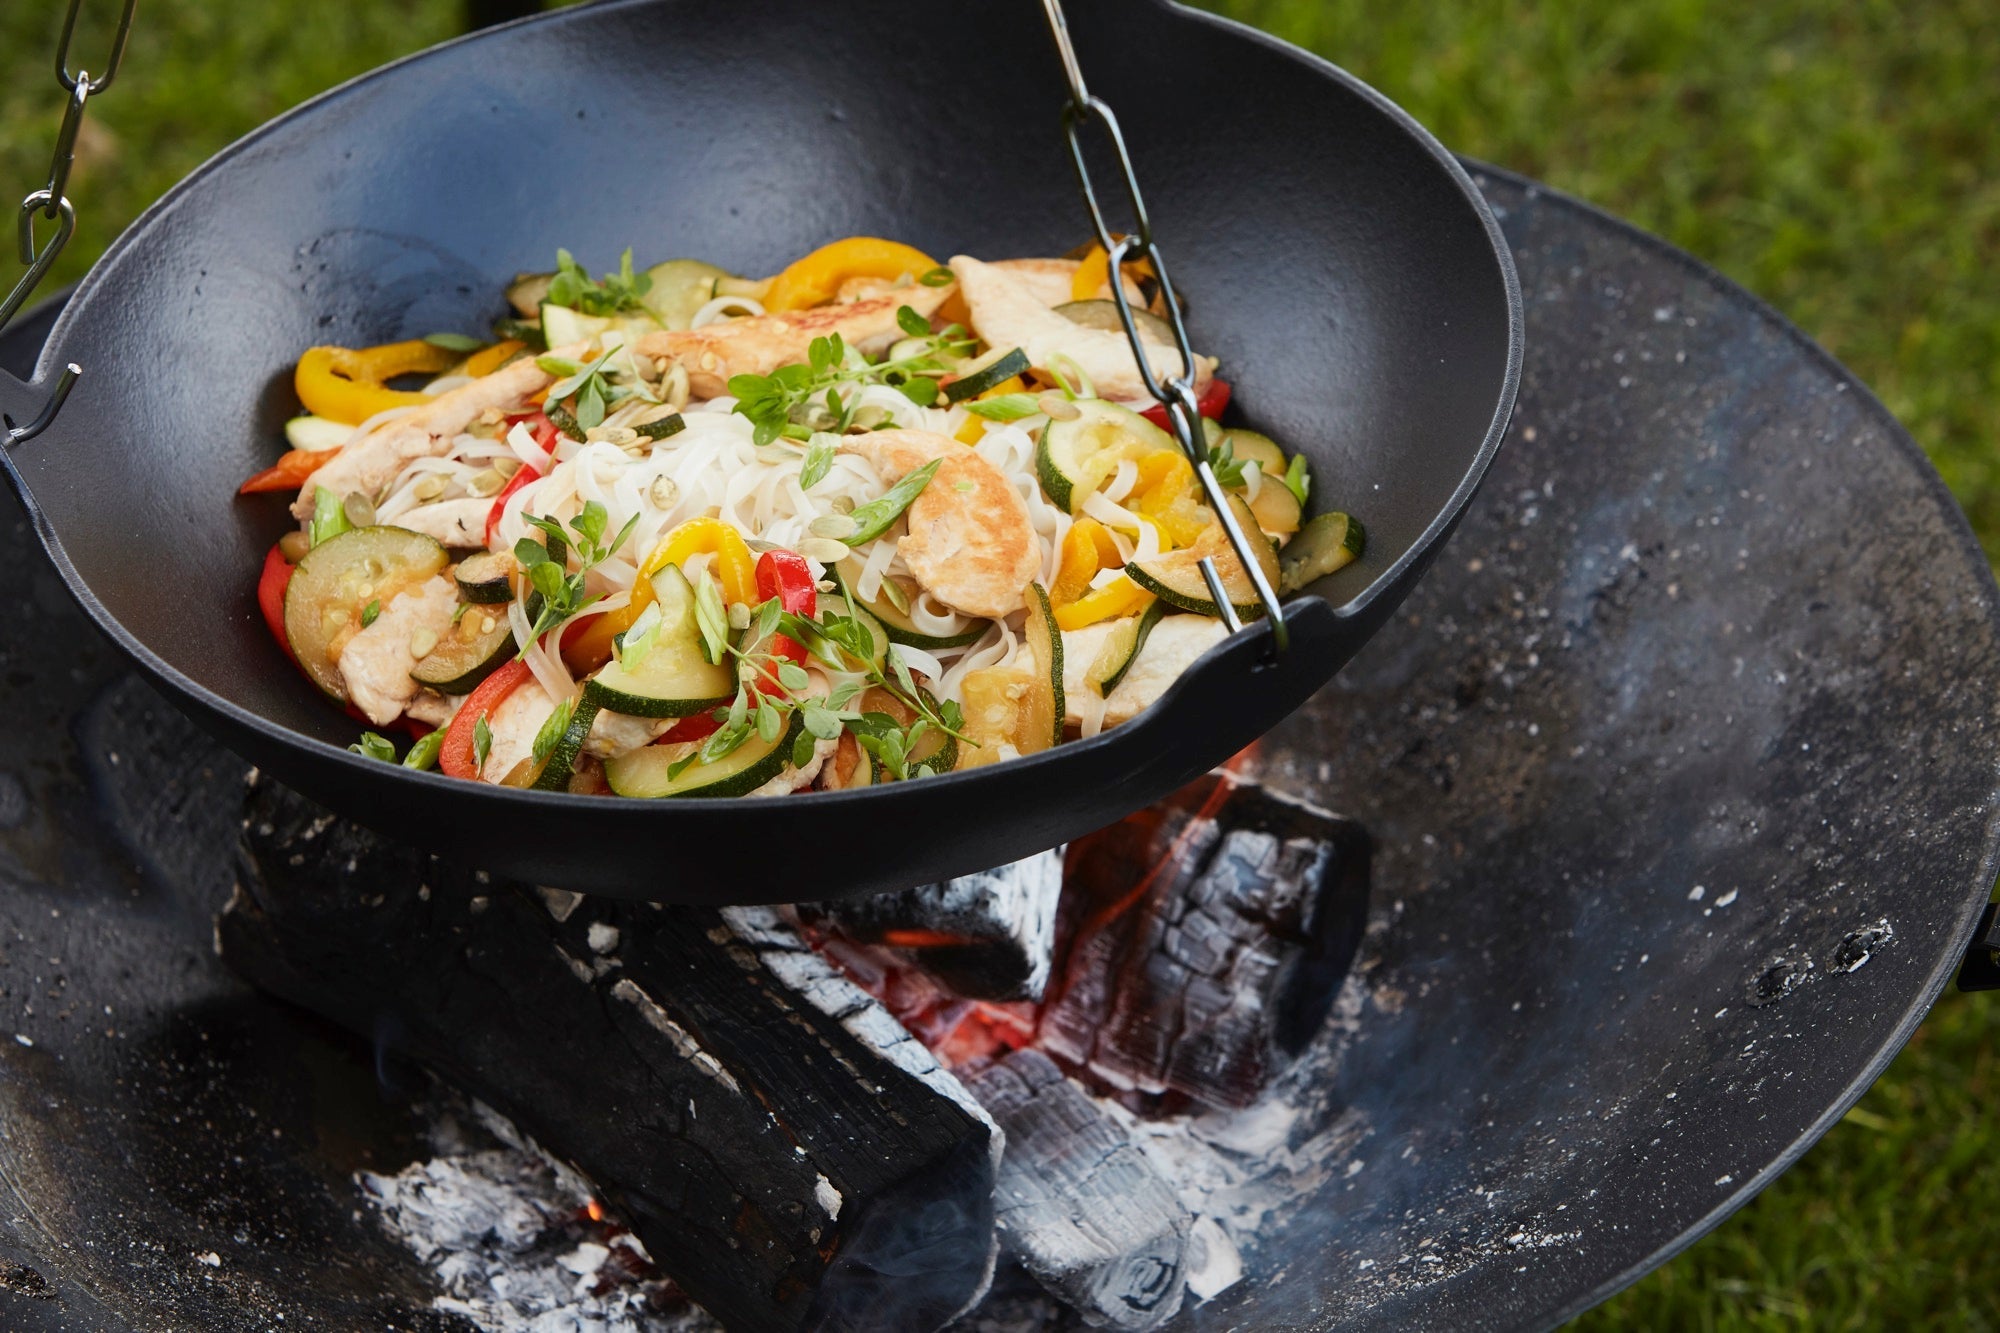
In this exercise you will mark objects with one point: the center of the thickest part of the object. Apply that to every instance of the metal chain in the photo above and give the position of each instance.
(51, 202)
(1176, 393)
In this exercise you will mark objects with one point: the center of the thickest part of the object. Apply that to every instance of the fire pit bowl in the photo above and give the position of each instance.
(1345, 271)
(1682, 803)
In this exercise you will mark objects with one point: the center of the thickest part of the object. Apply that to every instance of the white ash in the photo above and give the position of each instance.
(485, 1214)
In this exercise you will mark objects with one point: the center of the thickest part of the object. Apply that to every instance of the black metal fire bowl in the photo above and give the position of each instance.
(1681, 774)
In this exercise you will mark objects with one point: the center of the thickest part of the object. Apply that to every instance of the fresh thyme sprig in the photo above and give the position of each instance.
(545, 563)
(783, 402)
(573, 288)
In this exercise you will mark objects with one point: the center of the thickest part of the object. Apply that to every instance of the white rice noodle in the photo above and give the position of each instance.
(1089, 706)
(874, 567)
(547, 667)
(919, 662)
(523, 444)
(386, 415)
(1122, 481)
(725, 305)
(1253, 479)
(934, 618)
(996, 648)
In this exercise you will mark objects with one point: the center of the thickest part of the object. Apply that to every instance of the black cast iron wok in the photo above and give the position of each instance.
(1334, 256)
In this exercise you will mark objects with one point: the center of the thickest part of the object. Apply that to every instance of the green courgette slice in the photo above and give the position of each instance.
(1044, 708)
(987, 377)
(560, 766)
(1326, 544)
(671, 678)
(484, 578)
(1074, 458)
(897, 624)
(644, 772)
(1102, 314)
(680, 288)
(336, 581)
(1122, 649)
(463, 658)
(1175, 578)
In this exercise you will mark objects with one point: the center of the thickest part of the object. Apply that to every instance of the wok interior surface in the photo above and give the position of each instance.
(1332, 260)
(1656, 659)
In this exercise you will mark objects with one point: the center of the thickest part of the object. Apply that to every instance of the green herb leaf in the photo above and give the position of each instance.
(938, 277)
(770, 722)
(819, 460)
(372, 746)
(1228, 468)
(873, 519)
(573, 288)
(1007, 407)
(552, 730)
(922, 392)
(802, 751)
(370, 612)
(482, 741)
(822, 723)
(902, 670)
(424, 754)
(793, 676)
(329, 518)
(590, 524)
(1298, 480)
(912, 323)
(454, 342)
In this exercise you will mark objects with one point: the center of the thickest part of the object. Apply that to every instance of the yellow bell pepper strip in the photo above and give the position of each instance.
(1095, 272)
(487, 360)
(350, 385)
(815, 279)
(1166, 492)
(735, 570)
(1079, 563)
(974, 429)
(1120, 597)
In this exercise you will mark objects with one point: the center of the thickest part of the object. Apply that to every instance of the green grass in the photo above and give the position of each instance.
(1842, 160)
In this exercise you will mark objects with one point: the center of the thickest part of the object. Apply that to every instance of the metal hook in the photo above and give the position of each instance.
(50, 409)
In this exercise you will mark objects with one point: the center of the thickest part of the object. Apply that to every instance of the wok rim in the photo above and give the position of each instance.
(1130, 735)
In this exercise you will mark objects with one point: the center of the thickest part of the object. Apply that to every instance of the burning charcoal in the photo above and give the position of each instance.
(986, 936)
(786, 1152)
(1080, 1207)
(1202, 941)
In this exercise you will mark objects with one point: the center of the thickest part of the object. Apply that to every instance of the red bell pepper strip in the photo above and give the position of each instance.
(545, 434)
(292, 470)
(271, 586)
(690, 729)
(1211, 404)
(786, 576)
(458, 756)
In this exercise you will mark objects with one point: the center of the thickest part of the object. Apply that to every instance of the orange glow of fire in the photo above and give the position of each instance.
(595, 1210)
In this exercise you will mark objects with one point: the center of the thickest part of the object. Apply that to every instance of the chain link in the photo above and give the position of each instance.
(51, 202)
(1177, 392)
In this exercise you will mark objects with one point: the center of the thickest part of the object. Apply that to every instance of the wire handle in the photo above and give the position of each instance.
(52, 204)
(1175, 393)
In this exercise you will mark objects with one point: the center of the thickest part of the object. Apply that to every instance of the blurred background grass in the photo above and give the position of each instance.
(1841, 159)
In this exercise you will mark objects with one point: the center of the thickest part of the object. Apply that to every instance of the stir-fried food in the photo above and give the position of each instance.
(680, 533)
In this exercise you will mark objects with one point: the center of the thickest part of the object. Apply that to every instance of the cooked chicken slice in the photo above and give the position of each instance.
(759, 344)
(1171, 649)
(798, 779)
(1053, 281)
(368, 463)
(1006, 312)
(376, 663)
(613, 734)
(970, 540)
(450, 522)
(434, 709)
(515, 722)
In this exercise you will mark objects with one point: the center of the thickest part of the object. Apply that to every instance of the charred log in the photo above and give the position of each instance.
(788, 1154)
(1080, 1206)
(1202, 942)
(986, 936)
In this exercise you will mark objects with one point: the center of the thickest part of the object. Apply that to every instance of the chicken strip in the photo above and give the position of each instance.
(1053, 281)
(459, 523)
(1172, 647)
(376, 663)
(515, 722)
(1006, 312)
(759, 344)
(369, 463)
(970, 540)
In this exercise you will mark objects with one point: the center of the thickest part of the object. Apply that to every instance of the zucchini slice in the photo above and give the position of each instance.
(1043, 708)
(1276, 509)
(560, 766)
(338, 579)
(898, 625)
(1175, 578)
(1104, 315)
(936, 751)
(483, 578)
(836, 605)
(644, 772)
(681, 287)
(1328, 543)
(1122, 649)
(662, 428)
(527, 292)
(1262, 449)
(562, 326)
(673, 678)
(1074, 458)
(468, 654)
(987, 377)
